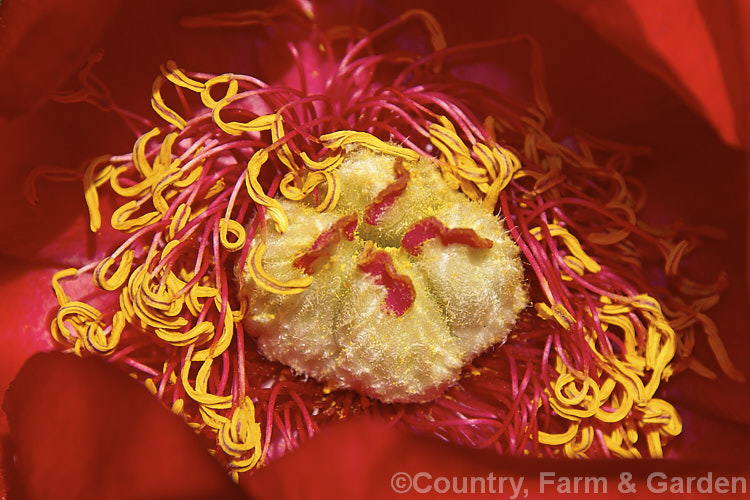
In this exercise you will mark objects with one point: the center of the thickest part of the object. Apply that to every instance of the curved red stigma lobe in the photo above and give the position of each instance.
(385, 198)
(400, 291)
(430, 228)
(345, 227)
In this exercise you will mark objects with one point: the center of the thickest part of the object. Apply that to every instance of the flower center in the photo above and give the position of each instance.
(410, 281)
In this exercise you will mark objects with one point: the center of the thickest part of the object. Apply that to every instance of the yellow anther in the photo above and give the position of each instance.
(558, 312)
(259, 124)
(121, 217)
(150, 385)
(211, 417)
(90, 183)
(328, 163)
(558, 439)
(507, 166)
(119, 277)
(311, 182)
(126, 306)
(255, 190)
(175, 75)
(200, 333)
(199, 292)
(626, 404)
(333, 189)
(446, 132)
(130, 191)
(341, 138)
(614, 309)
(60, 295)
(158, 198)
(615, 442)
(164, 159)
(237, 230)
(486, 158)
(199, 392)
(241, 433)
(76, 315)
(157, 310)
(660, 412)
(571, 242)
(232, 88)
(179, 219)
(508, 163)
(190, 177)
(269, 283)
(608, 237)
(575, 265)
(653, 438)
(224, 340)
(288, 189)
(216, 188)
(139, 152)
(168, 248)
(583, 441)
(283, 152)
(178, 406)
(158, 105)
(162, 300)
(647, 304)
(621, 321)
(238, 316)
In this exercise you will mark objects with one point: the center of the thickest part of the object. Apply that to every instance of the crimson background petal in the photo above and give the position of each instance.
(697, 47)
(41, 41)
(363, 459)
(83, 429)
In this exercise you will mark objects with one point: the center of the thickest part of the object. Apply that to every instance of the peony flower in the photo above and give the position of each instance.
(53, 242)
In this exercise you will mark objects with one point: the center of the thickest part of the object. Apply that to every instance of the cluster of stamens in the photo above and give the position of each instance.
(367, 268)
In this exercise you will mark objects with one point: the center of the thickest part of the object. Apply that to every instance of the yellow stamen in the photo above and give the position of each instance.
(158, 104)
(571, 242)
(336, 140)
(269, 283)
(558, 439)
(256, 192)
(175, 75)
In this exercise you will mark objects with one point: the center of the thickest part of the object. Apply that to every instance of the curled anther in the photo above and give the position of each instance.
(119, 277)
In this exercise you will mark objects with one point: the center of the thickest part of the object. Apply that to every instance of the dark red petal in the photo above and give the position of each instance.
(41, 43)
(362, 459)
(695, 47)
(82, 429)
(26, 301)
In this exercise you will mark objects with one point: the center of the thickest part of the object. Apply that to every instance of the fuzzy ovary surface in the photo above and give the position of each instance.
(338, 331)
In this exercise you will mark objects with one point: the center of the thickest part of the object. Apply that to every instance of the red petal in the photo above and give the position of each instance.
(365, 459)
(41, 43)
(695, 47)
(82, 429)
